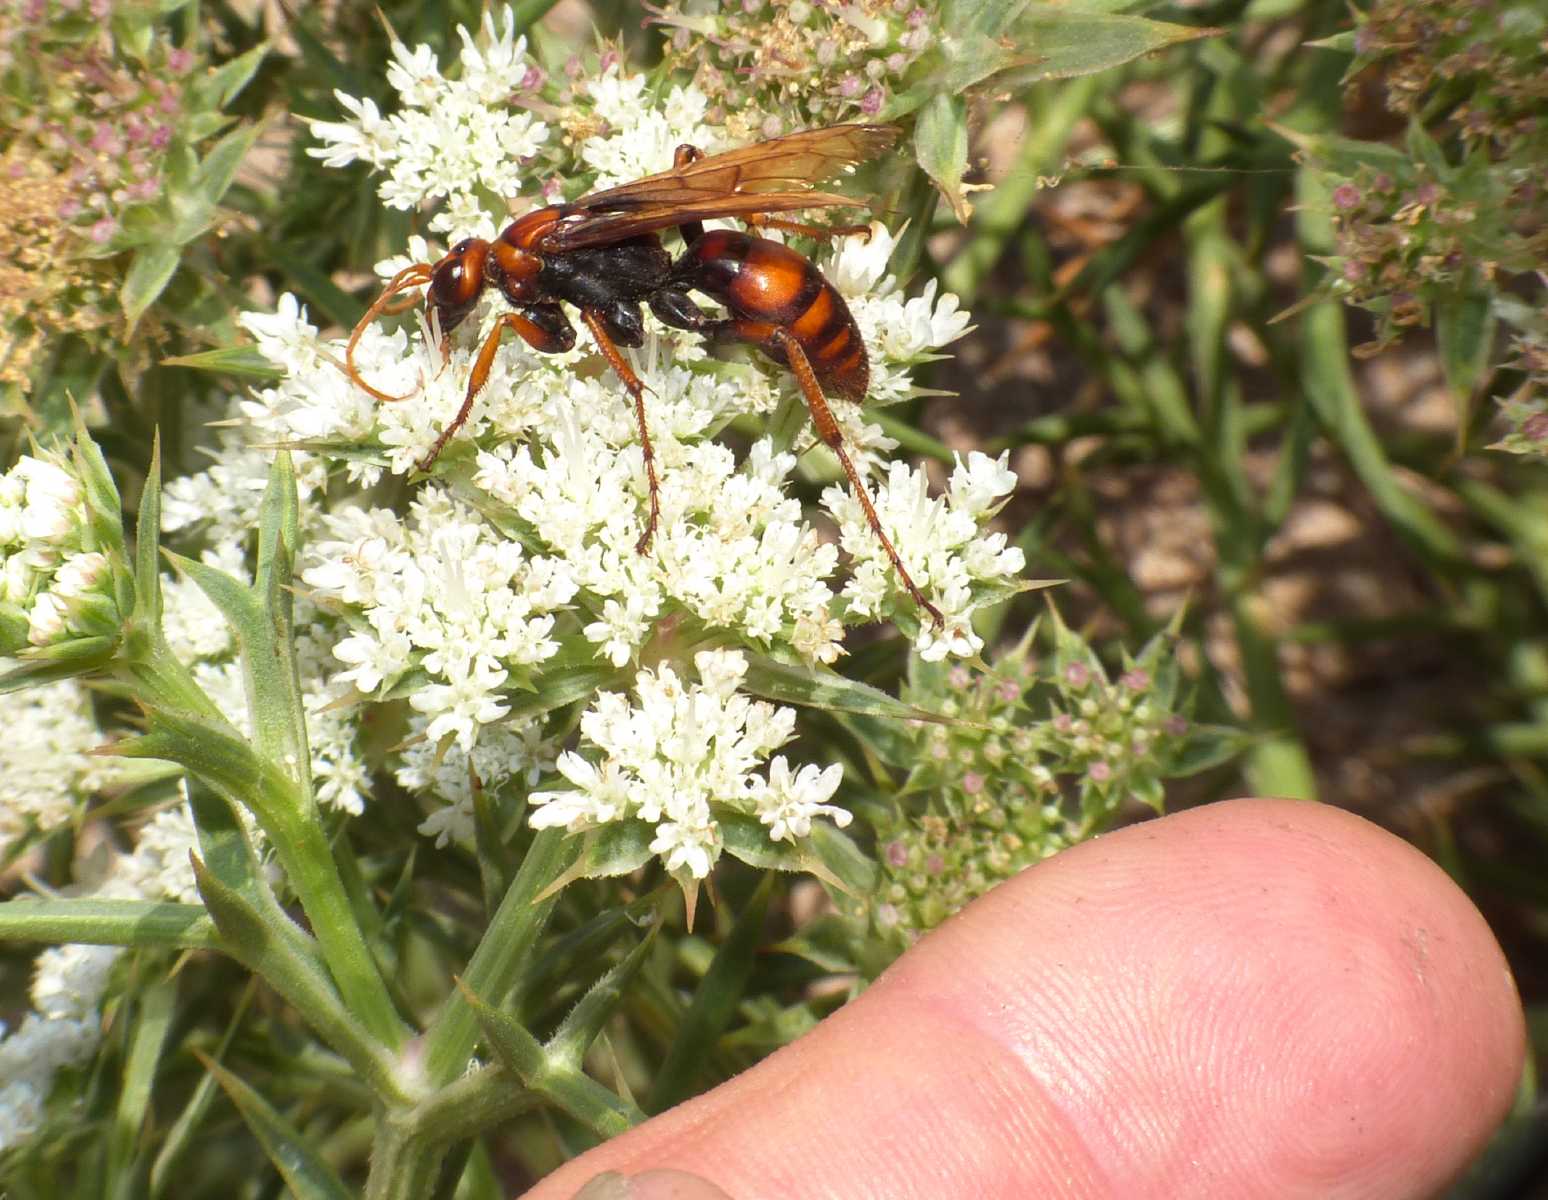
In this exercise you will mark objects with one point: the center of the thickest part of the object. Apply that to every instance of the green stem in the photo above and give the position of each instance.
(404, 1166)
(496, 963)
(471, 1104)
(309, 865)
(284, 805)
(108, 923)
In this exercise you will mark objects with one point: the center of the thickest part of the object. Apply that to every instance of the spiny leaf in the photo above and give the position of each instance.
(293, 1154)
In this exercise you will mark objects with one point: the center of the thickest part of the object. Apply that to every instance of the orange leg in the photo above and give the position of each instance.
(828, 430)
(532, 333)
(636, 389)
(390, 301)
(764, 221)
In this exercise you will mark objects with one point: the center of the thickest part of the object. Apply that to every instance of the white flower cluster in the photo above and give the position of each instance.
(441, 593)
(50, 571)
(524, 547)
(640, 138)
(452, 137)
(69, 981)
(45, 765)
(683, 753)
(939, 539)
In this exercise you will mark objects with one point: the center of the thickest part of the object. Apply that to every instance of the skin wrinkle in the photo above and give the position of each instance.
(1034, 1143)
(1216, 1005)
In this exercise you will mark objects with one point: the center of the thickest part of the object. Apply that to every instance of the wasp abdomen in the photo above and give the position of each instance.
(760, 280)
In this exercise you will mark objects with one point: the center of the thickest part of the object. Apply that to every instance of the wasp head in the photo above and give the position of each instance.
(456, 282)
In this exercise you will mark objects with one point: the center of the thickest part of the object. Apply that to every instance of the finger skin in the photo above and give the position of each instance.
(1256, 998)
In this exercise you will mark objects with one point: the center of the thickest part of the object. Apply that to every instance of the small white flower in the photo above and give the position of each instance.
(787, 802)
(52, 495)
(859, 265)
(47, 620)
(284, 337)
(79, 574)
(691, 849)
(367, 138)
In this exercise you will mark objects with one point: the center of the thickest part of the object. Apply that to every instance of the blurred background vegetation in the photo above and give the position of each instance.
(1260, 317)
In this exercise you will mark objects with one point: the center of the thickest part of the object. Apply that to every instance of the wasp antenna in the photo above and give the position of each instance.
(410, 277)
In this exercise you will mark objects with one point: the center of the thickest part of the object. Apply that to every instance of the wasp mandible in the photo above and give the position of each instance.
(603, 255)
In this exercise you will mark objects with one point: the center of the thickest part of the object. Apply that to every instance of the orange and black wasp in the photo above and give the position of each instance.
(603, 255)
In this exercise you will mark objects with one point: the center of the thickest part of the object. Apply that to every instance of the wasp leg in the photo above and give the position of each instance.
(677, 309)
(596, 322)
(683, 156)
(764, 221)
(828, 430)
(539, 330)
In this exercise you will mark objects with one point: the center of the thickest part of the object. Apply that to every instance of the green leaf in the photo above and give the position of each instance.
(617, 848)
(941, 148)
(244, 927)
(242, 361)
(219, 167)
(94, 922)
(571, 956)
(149, 272)
(828, 943)
(1207, 747)
(1426, 151)
(220, 87)
(502, 952)
(221, 759)
(496, 857)
(747, 840)
(818, 687)
(1465, 324)
(844, 864)
(567, 1087)
(982, 18)
(1342, 42)
(64, 660)
(584, 1022)
(714, 1004)
(293, 1153)
(1066, 42)
(518, 1051)
(259, 618)
(104, 508)
(557, 688)
(147, 544)
(155, 1008)
(184, 1131)
(261, 935)
(13, 630)
(1344, 157)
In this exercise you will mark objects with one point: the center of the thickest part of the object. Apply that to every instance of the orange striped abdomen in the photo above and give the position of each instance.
(764, 283)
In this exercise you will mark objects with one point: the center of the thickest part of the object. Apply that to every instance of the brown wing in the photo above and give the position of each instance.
(778, 175)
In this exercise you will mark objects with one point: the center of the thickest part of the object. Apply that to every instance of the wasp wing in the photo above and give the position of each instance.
(773, 176)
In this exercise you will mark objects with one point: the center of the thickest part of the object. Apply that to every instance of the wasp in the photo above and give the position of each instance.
(603, 255)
